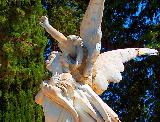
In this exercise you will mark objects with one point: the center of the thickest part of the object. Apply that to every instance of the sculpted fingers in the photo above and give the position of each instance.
(43, 21)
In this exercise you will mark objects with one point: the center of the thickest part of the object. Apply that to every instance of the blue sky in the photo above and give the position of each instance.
(141, 6)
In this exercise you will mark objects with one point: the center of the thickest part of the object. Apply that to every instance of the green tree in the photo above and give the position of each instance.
(21, 58)
(65, 15)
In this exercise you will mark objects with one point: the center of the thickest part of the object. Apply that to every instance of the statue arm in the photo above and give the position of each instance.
(55, 34)
(52, 31)
(62, 40)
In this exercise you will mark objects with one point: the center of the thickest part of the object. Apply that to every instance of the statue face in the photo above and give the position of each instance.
(76, 40)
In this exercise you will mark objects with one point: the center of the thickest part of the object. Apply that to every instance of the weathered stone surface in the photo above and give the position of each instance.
(109, 65)
(90, 32)
(80, 72)
(78, 102)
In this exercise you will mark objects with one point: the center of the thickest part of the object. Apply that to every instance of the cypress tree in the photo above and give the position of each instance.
(21, 59)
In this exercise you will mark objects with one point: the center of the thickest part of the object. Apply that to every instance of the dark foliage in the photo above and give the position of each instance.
(125, 24)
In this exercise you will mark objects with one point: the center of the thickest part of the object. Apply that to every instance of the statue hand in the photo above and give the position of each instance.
(69, 88)
(67, 84)
(44, 21)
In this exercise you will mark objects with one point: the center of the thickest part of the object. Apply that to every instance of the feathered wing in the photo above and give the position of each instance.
(109, 65)
(90, 29)
(91, 34)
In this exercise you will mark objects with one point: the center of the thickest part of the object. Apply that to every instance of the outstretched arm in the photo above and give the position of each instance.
(52, 31)
(62, 40)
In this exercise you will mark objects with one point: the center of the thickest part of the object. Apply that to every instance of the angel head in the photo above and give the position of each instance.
(76, 40)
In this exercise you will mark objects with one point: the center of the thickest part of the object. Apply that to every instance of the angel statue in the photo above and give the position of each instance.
(80, 73)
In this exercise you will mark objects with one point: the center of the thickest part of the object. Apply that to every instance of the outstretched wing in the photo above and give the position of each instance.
(90, 29)
(109, 65)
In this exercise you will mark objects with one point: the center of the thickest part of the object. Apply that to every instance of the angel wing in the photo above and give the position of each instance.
(90, 32)
(90, 29)
(109, 65)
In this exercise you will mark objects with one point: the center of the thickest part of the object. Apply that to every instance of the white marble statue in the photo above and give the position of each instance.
(80, 72)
